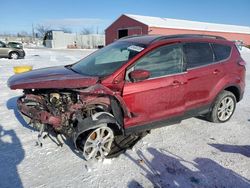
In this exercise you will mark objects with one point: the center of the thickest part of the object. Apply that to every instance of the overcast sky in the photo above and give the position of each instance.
(17, 15)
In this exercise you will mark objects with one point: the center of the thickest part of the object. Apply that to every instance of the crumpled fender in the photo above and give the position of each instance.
(96, 120)
(99, 89)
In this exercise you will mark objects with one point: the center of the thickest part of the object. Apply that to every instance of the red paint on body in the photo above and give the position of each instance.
(52, 77)
(149, 100)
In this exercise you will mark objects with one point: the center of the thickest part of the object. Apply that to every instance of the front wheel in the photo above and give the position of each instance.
(102, 143)
(223, 107)
(98, 143)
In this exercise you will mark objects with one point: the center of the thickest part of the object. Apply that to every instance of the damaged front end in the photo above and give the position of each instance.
(92, 118)
(71, 112)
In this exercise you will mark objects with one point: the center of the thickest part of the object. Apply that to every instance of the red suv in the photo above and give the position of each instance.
(107, 101)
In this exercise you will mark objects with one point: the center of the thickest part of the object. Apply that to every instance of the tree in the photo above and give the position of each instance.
(86, 31)
(42, 29)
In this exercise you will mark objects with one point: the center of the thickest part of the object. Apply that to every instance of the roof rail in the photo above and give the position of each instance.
(188, 36)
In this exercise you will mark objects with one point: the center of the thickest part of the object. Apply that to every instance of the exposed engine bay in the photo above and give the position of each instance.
(63, 110)
(59, 109)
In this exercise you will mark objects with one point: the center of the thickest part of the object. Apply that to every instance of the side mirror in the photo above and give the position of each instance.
(139, 75)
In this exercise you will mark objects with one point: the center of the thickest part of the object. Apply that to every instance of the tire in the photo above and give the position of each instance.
(223, 107)
(122, 143)
(96, 143)
(101, 143)
(13, 55)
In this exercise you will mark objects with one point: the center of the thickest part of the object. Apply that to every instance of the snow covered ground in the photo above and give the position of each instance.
(194, 153)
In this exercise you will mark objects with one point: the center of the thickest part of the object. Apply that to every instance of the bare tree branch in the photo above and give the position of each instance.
(42, 29)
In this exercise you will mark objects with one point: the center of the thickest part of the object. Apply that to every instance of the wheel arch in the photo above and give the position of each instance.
(235, 90)
(95, 121)
(230, 87)
(13, 51)
(99, 89)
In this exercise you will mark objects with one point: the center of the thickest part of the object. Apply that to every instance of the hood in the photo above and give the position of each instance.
(48, 78)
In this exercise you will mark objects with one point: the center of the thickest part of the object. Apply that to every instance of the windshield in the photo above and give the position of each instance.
(107, 60)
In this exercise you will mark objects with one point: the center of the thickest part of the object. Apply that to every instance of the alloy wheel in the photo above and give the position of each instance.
(98, 143)
(225, 109)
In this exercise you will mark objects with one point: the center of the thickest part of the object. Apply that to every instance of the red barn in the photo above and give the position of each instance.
(128, 24)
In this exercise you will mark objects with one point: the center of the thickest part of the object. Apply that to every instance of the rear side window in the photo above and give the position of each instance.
(221, 51)
(198, 54)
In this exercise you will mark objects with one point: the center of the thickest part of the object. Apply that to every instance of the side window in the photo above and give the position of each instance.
(2, 44)
(162, 61)
(221, 51)
(198, 54)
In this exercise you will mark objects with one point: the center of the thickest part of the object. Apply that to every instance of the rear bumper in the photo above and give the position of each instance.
(241, 96)
(21, 54)
(242, 88)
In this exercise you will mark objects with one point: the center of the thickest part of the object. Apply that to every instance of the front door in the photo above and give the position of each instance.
(161, 96)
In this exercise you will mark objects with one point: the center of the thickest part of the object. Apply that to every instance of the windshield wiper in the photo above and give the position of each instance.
(70, 68)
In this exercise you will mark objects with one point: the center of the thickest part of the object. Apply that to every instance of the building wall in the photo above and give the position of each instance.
(134, 28)
(59, 39)
(230, 36)
(73, 40)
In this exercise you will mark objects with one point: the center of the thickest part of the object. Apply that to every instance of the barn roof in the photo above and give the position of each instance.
(186, 24)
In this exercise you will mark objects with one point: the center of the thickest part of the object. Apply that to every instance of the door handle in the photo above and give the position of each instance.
(216, 71)
(176, 83)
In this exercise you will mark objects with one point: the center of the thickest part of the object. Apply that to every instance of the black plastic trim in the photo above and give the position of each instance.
(168, 121)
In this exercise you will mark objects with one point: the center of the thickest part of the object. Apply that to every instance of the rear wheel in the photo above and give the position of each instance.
(223, 107)
(13, 55)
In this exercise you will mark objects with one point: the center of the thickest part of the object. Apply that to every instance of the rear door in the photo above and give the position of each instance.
(3, 50)
(162, 95)
(203, 73)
